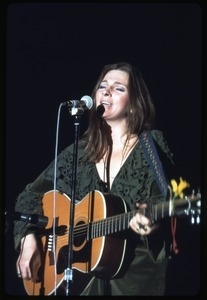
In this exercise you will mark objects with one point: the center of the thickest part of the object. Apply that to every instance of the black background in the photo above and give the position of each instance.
(53, 52)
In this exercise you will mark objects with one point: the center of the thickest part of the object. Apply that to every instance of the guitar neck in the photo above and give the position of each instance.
(170, 208)
(111, 225)
(115, 224)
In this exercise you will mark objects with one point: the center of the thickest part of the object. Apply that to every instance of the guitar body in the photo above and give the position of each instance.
(90, 255)
(100, 245)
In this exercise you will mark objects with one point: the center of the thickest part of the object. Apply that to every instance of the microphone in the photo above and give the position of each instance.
(84, 103)
(35, 219)
(100, 111)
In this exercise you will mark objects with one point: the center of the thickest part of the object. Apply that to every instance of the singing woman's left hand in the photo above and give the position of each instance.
(140, 223)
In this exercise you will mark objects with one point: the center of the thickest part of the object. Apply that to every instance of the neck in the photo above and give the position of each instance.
(119, 133)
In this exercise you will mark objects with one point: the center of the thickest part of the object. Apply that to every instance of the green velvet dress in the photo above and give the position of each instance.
(145, 273)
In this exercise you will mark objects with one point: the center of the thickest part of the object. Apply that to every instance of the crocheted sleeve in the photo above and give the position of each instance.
(29, 200)
(161, 141)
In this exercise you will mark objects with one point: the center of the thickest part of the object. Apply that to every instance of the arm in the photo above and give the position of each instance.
(29, 259)
(30, 201)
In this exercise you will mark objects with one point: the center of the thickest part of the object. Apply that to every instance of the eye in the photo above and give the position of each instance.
(120, 89)
(102, 86)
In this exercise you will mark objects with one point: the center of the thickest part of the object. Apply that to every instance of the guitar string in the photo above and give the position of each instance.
(116, 222)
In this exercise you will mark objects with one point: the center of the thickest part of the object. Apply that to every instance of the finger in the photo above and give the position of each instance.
(141, 205)
(18, 269)
(142, 226)
(143, 229)
(19, 273)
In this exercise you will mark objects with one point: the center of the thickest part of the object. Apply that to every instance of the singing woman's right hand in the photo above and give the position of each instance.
(29, 259)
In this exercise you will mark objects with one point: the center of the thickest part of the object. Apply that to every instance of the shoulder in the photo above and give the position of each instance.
(159, 141)
(159, 138)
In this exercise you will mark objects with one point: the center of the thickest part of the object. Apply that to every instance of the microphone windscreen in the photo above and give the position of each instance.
(100, 111)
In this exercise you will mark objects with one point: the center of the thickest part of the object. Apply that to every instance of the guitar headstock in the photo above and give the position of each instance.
(189, 206)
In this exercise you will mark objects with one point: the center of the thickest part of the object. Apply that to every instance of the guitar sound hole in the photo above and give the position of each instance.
(80, 234)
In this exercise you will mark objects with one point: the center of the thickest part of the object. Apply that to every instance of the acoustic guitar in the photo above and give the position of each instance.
(99, 244)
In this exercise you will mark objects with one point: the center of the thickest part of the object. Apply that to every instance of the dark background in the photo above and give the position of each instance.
(53, 52)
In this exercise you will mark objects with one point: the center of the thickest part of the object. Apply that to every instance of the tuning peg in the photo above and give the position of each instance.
(192, 220)
(198, 220)
(198, 204)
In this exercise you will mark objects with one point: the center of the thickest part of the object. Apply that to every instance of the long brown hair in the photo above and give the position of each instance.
(141, 113)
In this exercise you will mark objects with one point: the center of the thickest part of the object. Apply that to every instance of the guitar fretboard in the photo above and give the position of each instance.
(120, 222)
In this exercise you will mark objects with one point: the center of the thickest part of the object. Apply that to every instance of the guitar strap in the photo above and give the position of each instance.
(150, 151)
(151, 154)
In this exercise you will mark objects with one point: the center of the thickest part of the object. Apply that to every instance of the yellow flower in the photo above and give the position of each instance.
(178, 188)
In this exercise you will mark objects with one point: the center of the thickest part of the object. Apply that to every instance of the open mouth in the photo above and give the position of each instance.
(106, 103)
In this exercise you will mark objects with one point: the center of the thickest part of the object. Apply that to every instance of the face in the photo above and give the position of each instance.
(113, 95)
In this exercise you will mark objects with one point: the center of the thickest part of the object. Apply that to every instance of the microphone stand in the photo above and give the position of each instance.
(76, 112)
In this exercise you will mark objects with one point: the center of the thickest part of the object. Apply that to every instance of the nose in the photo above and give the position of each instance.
(106, 91)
